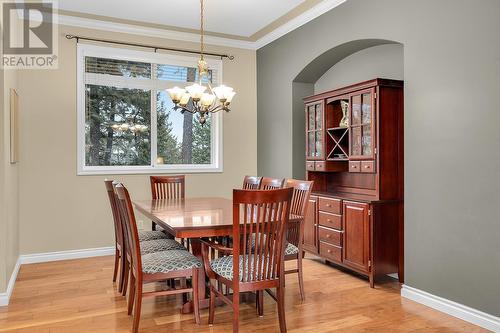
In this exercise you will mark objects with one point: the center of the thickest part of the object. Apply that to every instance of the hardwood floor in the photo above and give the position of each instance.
(78, 296)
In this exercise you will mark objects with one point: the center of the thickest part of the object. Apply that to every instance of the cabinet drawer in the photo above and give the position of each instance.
(310, 165)
(354, 166)
(330, 220)
(330, 236)
(330, 205)
(330, 252)
(319, 166)
(368, 166)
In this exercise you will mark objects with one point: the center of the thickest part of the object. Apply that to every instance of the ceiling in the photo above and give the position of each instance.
(238, 18)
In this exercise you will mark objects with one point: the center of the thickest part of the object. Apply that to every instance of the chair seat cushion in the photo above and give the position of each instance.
(291, 249)
(147, 235)
(169, 261)
(157, 245)
(224, 266)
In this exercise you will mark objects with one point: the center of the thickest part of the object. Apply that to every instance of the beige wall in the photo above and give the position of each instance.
(9, 184)
(62, 211)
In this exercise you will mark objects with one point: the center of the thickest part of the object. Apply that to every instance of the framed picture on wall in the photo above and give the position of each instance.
(14, 126)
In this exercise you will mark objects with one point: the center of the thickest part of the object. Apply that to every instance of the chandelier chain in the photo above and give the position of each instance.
(202, 29)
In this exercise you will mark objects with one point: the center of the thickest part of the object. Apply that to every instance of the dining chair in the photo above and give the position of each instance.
(167, 187)
(271, 183)
(244, 268)
(295, 233)
(154, 267)
(150, 241)
(251, 182)
(119, 239)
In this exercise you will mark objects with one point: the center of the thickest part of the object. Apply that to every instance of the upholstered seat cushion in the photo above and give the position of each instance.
(169, 261)
(224, 266)
(147, 235)
(157, 245)
(291, 249)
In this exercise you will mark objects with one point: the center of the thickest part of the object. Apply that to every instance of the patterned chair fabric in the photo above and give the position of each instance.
(224, 266)
(147, 235)
(291, 249)
(169, 261)
(158, 245)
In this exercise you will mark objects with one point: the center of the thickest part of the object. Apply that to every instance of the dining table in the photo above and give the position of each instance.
(193, 218)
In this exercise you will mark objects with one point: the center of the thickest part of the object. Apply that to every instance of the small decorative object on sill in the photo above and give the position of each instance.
(344, 122)
(193, 98)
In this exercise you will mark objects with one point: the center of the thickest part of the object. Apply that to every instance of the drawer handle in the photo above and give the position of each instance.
(328, 205)
(367, 167)
(327, 235)
(329, 251)
(328, 220)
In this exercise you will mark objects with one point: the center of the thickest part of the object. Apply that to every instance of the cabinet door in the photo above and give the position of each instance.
(314, 131)
(310, 226)
(356, 252)
(362, 138)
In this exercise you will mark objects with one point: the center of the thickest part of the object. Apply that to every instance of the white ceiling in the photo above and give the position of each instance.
(235, 17)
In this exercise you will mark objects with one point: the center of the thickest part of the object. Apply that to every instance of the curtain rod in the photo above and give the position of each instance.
(155, 48)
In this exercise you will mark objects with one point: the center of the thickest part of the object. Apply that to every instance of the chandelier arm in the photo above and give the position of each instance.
(182, 108)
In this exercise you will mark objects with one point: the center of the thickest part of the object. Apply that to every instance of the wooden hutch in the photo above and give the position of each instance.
(355, 214)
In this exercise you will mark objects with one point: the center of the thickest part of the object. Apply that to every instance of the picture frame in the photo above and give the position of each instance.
(14, 126)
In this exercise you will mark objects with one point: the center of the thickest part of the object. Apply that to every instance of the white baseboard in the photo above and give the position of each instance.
(50, 256)
(66, 255)
(5, 297)
(454, 309)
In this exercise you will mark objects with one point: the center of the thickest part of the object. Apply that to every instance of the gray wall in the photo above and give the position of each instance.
(452, 165)
(385, 61)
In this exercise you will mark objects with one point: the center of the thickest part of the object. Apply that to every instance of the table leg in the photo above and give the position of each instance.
(202, 288)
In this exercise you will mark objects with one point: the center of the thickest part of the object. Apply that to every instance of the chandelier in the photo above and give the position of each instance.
(194, 98)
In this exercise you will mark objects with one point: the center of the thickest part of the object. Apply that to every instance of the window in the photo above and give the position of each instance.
(126, 120)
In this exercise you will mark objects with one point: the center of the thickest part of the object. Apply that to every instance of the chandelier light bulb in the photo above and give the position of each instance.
(196, 91)
(222, 92)
(176, 94)
(207, 100)
(230, 96)
(184, 99)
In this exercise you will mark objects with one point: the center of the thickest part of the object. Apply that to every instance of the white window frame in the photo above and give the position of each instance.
(89, 50)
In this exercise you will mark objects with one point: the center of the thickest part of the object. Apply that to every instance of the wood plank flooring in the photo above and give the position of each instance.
(78, 296)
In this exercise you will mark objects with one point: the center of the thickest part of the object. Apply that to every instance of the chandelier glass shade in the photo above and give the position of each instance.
(197, 98)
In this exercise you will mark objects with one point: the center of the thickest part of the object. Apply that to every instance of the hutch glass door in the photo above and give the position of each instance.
(361, 125)
(314, 119)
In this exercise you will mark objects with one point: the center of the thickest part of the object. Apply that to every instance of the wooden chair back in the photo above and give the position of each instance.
(251, 182)
(301, 192)
(167, 187)
(119, 237)
(259, 221)
(131, 232)
(271, 183)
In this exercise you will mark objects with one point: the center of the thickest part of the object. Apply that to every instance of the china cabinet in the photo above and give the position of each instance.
(354, 154)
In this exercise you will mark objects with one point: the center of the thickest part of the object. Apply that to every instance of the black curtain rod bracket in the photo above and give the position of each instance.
(155, 48)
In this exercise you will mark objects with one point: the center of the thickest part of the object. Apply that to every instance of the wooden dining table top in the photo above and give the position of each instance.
(192, 217)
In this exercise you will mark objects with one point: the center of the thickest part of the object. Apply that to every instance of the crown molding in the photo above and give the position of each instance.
(150, 32)
(291, 25)
(297, 22)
